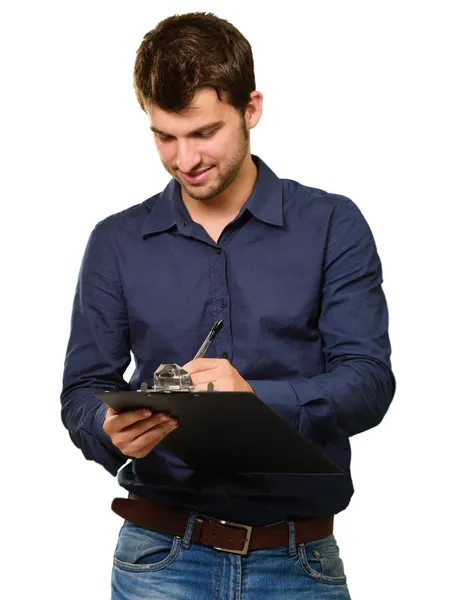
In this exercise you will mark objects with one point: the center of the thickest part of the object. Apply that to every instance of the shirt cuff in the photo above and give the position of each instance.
(104, 438)
(281, 397)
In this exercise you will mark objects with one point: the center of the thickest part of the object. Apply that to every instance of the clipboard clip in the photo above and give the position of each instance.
(171, 378)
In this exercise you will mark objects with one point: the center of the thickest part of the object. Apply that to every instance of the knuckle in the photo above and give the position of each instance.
(166, 430)
(133, 454)
(131, 450)
(142, 452)
(120, 445)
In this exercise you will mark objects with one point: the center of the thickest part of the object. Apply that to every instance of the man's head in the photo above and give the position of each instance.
(194, 77)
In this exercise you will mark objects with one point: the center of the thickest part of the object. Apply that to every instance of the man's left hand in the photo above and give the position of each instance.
(219, 372)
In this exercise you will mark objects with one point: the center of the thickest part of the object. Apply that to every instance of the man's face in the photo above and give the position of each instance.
(202, 147)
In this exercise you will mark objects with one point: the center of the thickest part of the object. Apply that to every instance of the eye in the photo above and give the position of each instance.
(205, 135)
(167, 138)
(163, 138)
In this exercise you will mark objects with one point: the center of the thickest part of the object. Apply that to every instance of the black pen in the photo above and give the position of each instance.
(209, 338)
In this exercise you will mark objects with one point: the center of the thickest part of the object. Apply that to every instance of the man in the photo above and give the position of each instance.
(294, 274)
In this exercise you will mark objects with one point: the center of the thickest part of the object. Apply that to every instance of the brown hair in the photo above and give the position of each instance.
(191, 51)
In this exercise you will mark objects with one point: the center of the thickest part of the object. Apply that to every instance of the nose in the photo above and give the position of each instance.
(188, 157)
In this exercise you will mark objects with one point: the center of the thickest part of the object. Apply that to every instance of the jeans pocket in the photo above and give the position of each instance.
(141, 550)
(321, 561)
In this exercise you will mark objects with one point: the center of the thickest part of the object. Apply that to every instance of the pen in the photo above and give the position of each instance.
(209, 338)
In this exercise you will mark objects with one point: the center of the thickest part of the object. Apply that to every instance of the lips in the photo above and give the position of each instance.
(198, 177)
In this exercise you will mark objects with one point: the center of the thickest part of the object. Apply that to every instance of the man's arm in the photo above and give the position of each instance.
(98, 351)
(355, 392)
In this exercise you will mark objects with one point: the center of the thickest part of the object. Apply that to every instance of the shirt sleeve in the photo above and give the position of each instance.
(98, 351)
(358, 385)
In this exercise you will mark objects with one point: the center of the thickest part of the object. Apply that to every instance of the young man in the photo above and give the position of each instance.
(294, 274)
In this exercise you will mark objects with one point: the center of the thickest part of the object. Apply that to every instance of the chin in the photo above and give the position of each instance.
(204, 196)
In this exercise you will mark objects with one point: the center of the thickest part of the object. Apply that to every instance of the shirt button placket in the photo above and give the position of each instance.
(221, 294)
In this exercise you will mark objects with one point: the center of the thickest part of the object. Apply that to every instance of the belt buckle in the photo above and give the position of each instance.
(249, 530)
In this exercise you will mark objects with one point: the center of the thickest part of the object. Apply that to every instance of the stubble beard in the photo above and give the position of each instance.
(225, 179)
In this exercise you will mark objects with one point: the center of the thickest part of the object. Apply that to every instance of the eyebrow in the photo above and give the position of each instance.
(213, 125)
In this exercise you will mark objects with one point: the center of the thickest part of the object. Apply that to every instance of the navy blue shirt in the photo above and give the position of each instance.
(295, 277)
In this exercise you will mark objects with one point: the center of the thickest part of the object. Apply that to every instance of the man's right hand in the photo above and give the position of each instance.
(137, 432)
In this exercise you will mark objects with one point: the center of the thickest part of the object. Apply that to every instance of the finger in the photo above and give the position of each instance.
(204, 377)
(156, 431)
(118, 421)
(148, 440)
(203, 364)
(128, 434)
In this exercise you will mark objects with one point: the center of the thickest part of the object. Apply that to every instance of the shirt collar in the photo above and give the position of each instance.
(162, 216)
(265, 202)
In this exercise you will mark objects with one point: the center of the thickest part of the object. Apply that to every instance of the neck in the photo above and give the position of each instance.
(224, 207)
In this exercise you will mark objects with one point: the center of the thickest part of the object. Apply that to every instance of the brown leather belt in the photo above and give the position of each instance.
(221, 535)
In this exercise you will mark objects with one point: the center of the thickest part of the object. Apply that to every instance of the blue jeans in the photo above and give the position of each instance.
(158, 566)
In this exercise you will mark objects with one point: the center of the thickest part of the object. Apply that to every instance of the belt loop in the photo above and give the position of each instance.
(190, 527)
(292, 538)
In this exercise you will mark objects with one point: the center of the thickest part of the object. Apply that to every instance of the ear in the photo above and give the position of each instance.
(254, 109)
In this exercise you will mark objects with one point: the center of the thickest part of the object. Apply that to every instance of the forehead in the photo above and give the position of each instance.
(205, 107)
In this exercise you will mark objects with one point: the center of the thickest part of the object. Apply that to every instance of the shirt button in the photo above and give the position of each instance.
(218, 250)
(224, 355)
(223, 303)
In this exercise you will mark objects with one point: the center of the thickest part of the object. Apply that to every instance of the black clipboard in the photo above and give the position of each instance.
(228, 432)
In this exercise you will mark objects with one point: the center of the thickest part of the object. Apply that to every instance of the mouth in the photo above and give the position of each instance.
(197, 177)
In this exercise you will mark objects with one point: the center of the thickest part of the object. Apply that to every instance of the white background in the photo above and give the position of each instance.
(361, 99)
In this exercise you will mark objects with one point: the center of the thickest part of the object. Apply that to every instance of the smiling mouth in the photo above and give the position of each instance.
(197, 176)
(195, 173)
